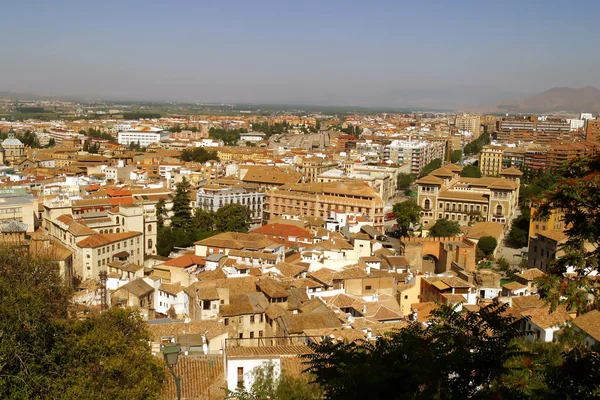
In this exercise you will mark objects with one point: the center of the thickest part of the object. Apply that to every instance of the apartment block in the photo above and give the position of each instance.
(444, 194)
(491, 160)
(471, 123)
(318, 199)
(214, 196)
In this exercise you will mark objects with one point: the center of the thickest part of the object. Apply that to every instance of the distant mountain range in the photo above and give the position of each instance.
(574, 100)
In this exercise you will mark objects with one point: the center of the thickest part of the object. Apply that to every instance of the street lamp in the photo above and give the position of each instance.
(171, 353)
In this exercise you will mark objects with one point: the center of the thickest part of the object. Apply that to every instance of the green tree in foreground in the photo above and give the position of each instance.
(285, 387)
(577, 194)
(444, 228)
(487, 244)
(457, 356)
(407, 213)
(161, 212)
(432, 166)
(45, 354)
(233, 218)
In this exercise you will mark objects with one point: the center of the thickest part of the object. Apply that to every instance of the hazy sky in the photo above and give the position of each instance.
(307, 51)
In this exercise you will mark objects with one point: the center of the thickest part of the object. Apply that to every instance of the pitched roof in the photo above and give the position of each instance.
(284, 230)
(103, 239)
(137, 287)
(531, 274)
(267, 351)
(430, 180)
(236, 240)
(511, 171)
(545, 319)
(251, 303)
(589, 323)
(558, 235)
(512, 286)
(185, 261)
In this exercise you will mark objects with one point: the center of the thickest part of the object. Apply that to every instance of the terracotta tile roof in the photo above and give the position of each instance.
(271, 288)
(267, 351)
(137, 287)
(589, 323)
(531, 274)
(326, 319)
(521, 302)
(235, 240)
(512, 286)
(284, 230)
(185, 261)
(485, 228)
(290, 270)
(253, 303)
(545, 319)
(351, 272)
(323, 275)
(462, 195)
(557, 235)
(171, 288)
(423, 310)
(106, 238)
(253, 255)
(197, 376)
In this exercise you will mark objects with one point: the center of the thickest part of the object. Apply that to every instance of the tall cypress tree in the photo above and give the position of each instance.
(182, 212)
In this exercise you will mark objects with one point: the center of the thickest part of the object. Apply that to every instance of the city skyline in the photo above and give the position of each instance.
(375, 54)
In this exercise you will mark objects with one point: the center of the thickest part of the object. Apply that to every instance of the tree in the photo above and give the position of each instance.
(109, 357)
(44, 353)
(432, 166)
(457, 356)
(471, 171)
(577, 194)
(455, 156)
(198, 154)
(519, 232)
(182, 211)
(444, 228)
(405, 180)
(203, 221)
(487, 244)
(407, 213)
(233, 218)
(267, 386)
(161, 212)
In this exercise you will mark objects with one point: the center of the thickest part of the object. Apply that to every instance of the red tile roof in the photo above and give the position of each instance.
(185, 261)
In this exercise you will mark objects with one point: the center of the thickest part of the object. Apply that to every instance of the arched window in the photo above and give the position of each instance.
(149, 243)
(117, 219)
(427, 204)
(499, 210)
(149, 228)
(118, 230)
(111, 231)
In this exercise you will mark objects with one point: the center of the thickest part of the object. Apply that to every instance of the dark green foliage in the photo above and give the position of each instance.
(455, 156)
(405, 180)
(503, 264)
(182, 211)
(133, 146)
(432, 166)
(198, 154)
(30, 110)
(270, 129)
(96, 133)
(161, 212)
(46, 354)
(233, 218)
(577, 194)
(487, 244)
(109, 358)
(471, 171)
(444, 228)
(204, 221)
(456, 357)
(229, 137)
(30, 139)
(476, 145)
(407, 213)
(519, 232)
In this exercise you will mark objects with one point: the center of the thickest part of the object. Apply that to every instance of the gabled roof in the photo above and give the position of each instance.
(185, 261)
(103, 239)
(236, 240)
(589, 323)
(511, 171)
(251, 303)
(531, 274)
(136, 287)
(430, 180)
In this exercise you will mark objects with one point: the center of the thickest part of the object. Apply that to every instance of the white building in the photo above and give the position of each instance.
(417, 154)
(144, 136)
(213, 197)
(252, 137)
(576, 124)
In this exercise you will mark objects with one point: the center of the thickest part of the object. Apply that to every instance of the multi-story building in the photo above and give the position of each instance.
(214, 196)
(471, 123)
(317, 199)
(312, 167)
(544, 248)
(444, 194)
(490, 160)
(144, 136)
(17, 204)
(513, 157)
(99, 250)
(537, 224)
(417, 154)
